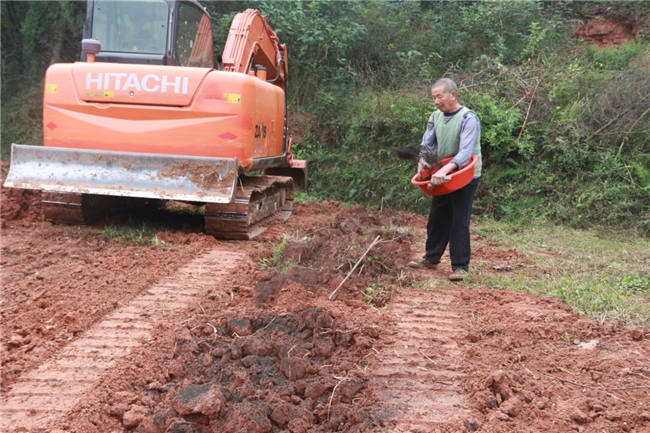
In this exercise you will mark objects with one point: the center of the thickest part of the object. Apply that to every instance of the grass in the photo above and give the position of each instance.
(136, 234)
(143, 223)
(601, 274)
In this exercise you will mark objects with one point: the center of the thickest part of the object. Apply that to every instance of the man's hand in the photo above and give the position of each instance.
(422, 164)
(441, 176)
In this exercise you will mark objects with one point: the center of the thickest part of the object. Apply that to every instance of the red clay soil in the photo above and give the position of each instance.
(537, 366)
(268, 351)
(58, 281)
(604, 32)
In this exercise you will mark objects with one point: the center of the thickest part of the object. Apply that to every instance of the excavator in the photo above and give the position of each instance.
(148, 115)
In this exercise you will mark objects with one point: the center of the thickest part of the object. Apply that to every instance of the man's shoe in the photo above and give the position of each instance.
(423, 263)
(458, 275)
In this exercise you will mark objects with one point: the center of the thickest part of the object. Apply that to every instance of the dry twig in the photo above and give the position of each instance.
(333, 294)
(329, 404)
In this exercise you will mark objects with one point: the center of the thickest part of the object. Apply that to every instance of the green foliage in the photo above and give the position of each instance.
(34, 35)
(614, 57)
(364, 169)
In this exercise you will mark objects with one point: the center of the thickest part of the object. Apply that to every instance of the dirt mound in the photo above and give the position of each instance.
(266, 350)
(19, 207)
(538, 367)
(320, 260)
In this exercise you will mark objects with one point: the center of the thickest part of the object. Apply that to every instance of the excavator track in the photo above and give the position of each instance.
(69, 208)
(258, 200)
(80, 209)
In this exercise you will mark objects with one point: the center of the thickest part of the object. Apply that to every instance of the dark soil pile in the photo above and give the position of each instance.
(259, 374)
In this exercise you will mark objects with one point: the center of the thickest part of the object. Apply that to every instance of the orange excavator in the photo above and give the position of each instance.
(148, 115)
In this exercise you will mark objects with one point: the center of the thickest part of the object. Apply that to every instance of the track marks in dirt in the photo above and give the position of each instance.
(419, 375)
(46, 393)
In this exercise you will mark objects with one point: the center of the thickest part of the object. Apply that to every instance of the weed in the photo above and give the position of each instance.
(274, 261)
(376, 296)
(74, 232)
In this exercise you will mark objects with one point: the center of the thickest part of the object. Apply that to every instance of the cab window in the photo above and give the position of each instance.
(131, 26)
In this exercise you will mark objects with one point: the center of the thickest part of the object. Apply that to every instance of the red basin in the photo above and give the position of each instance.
(459, 178)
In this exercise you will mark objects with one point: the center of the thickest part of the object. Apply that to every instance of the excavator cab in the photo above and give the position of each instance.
(156, 32)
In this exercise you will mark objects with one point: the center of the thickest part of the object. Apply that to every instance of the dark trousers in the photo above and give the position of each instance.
(449, 224)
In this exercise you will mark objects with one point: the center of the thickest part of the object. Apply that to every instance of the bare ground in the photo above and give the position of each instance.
(209, 336)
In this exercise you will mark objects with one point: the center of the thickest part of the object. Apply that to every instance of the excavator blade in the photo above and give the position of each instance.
(124, 174)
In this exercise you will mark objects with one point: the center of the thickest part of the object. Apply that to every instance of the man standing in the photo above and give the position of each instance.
(452, 130)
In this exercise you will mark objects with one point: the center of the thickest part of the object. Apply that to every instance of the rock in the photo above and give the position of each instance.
(579, 416)
(179, 425)
(258, 346)
(293, 368)
(177, 368)
(323, 346)
(511, 406)
(152, 424)
(589, 345)
(205, 399)
(118, 409)
(315, 389)
(244, 417)
(15, 341)
(155, 386)
(637, 333)
(134, 415)
(299, 425)
(315, 319)
(471, 424)
(348, 389)
(241, 327)
(235, 351)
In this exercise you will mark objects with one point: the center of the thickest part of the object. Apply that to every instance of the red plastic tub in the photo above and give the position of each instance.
(459, 178)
